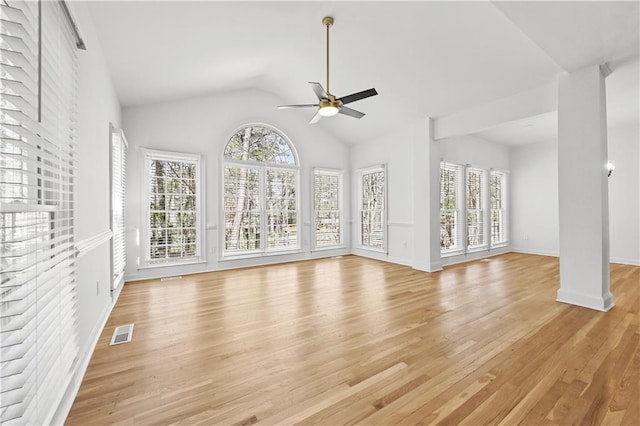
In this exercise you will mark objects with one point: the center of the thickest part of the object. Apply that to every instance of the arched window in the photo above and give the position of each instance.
(260, 193)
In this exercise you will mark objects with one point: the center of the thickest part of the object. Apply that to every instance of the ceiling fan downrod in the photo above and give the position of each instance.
(327, 21)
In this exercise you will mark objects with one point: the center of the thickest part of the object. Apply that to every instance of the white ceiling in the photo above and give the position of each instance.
(424, 58)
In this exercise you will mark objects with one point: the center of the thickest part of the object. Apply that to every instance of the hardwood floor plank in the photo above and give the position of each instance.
(352, 340)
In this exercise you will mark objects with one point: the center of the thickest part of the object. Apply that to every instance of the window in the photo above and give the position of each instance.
(260, 193)
(498, 208)
(38, 327)
(118, 164)
(327, 208)
(466, 224)
(476, 187)
(173, 208)
(372, 207)
(451, 224)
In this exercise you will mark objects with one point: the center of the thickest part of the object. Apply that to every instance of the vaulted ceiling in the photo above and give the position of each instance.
(426, 59)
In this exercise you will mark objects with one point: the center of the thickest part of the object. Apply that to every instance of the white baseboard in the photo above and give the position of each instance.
(622, 261)
(84, 358)
(536, 252)
(398, 260)
(632, 262)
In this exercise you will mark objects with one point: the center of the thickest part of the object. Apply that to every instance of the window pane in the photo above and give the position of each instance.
(373, 191)
(497, 194)
(451, 205)
(281, 190)
(449, 230)
(259, 144)
(327, 193)
(475, 228)
(372, 213)
(242, 231)
(327, 228)
(282, 230)
(476, 184)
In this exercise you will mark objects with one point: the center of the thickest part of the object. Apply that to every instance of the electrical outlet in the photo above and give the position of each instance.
(97, 288)
(525, 237)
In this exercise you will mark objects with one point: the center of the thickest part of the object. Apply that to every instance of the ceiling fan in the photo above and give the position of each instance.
(328, 105)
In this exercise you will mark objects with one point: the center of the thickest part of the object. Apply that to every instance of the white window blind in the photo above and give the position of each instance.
(38, 332)
(451, 209)
(476, 208)
(373, 221)
(327, 208)
(281, 209)
(242, 211)
(173, 208)
(498, 193)
(118, 174)
(260, 190)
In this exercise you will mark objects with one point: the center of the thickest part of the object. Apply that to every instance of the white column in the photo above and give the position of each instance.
(426, 198)
(583, 190)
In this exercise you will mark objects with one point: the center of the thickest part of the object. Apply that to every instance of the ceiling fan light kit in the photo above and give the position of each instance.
(328, 105)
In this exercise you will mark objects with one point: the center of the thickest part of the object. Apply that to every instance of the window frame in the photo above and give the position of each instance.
(360, 173)
(461, 225)
(262, 167)
(483, 198)
(199, 257)
(340, 175)
(505, 208)
(118, 236)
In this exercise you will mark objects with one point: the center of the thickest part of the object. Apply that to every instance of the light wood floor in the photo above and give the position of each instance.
(353, 340)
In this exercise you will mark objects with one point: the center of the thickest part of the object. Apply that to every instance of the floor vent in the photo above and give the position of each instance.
(122, 334)
(175, 277)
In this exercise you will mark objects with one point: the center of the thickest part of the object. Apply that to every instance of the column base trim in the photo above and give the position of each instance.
(602, 304)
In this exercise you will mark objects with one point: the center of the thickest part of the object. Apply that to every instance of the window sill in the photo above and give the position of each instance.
(500, 245)
(477, 249)
(452, 253)
(372, 249)
(255, 255)
(169, 264)
(328, 248)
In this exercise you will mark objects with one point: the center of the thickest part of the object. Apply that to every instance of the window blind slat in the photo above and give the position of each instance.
(17, 88)
(9, 42)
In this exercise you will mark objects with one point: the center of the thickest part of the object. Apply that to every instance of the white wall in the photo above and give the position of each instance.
(476, 152)
(97, 107)
(534, 196)
(203, 125)
(624, 195)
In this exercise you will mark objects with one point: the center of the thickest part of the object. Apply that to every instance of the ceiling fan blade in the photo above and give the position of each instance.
(297, 106)
(351, 112)
(319, 90)
(357, 96)
(315, 118)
